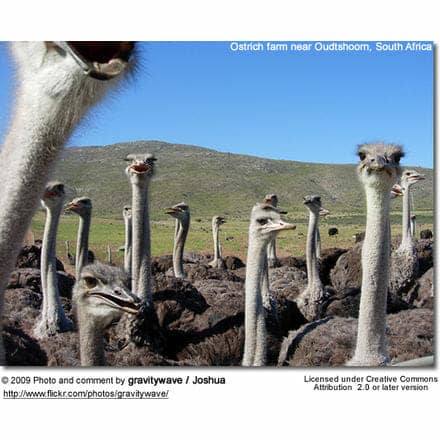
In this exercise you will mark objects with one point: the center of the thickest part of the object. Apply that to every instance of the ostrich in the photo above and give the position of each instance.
(126, 213)
(396, 191)
(52, 319)
(272, 260)
(322, 213)
(310, 301)
(83, 207)
(404, 261)
(265, 223)
(57, 85)
(182, 215)
(218, 261)
(100, 296)
(139, 173)
(408, 179)
(378, 170)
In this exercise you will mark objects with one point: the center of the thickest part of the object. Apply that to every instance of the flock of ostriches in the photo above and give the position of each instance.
(371, 305)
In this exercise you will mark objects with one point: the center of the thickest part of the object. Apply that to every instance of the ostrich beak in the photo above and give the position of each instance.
(171, 211)
(102, 60)
(140, 168)
(416, 177)
(277, 226)
(120, 299)
(71, 206)
(379, 163)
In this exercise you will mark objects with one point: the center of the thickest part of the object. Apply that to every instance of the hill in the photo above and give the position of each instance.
(212, 182)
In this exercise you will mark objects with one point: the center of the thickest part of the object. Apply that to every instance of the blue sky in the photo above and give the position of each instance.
(309, 106)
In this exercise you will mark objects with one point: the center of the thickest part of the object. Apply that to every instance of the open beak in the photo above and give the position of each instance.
(102, 60)
(396, 190)
(122, 300)
(71, 206)
(277, 226)
(140, 167)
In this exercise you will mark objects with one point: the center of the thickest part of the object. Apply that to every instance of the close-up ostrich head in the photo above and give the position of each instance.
(410, 177)
(104, 293)
(218, 220)
(53, 194)
(396, 191)
(102, 60)
(266, 221)
(80, 206)
(126, 211)
(271, 199)
(313, 203)
(141, 166)
(179, 211)
(379, 164)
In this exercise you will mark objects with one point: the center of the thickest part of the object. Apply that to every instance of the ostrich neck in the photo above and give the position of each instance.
(41, 125)
(141, 265)
(82, 244)
(49, 281)
(29, 152)
(182, 227)
(255, 343)
(255, 264)
(217, 250)
(128, 245)
(371, 340)
(318, 243)
(311, 260)
(91, 341)
(406, 220)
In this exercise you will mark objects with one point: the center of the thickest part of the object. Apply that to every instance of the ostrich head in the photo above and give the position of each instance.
(271, 199)
(266, 222)
(58, 67)
(179, 211)
(379, 165)
(396, 191)
(102, 60)
(141, 167)
(126, 212)
(103, 293)
(410, 177)
(313, 203)
(81, 206)
(218, 220)
(53, 195)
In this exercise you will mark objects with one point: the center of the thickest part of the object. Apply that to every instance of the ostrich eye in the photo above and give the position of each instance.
(262, 221)
(362, 156)
(90, 282)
